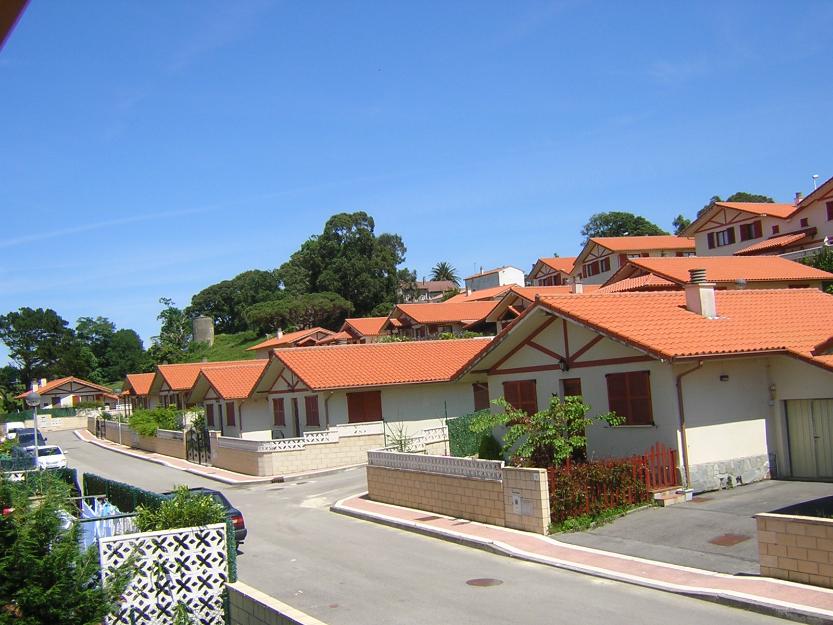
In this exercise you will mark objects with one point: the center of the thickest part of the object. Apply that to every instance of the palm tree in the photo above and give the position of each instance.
(445, 271)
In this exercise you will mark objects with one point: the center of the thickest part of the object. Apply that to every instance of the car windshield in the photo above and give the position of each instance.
(49, 451)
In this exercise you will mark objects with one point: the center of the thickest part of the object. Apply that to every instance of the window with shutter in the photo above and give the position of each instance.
(209, 415)
(629, 396)
(571, 387)
(521, 395)
(278, 411)
(364, 406)
(481, 396)
(230, 413)
(311, 408)
(829, 206)
(710, 238)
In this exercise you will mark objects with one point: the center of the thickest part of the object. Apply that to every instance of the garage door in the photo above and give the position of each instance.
(810, 430)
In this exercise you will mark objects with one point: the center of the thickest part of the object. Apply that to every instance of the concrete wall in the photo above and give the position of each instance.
(58, 424)
(248, 606)
(519, 500)
(349, 450)
(796, 548)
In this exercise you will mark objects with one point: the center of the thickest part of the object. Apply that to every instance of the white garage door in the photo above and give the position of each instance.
(810, 429)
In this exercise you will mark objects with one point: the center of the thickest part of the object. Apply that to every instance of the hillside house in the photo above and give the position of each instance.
(422, 321)
(551, 271)
(601, 257)
(171, 384)
(136, 389)
(502, 276)
(282, 340)
(225, 393)
(428, 290)
(364, 329)
(71, 391)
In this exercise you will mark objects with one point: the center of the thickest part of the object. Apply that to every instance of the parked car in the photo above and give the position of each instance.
(234, 515)
(49, 456)
(26, 437)
(10, 428)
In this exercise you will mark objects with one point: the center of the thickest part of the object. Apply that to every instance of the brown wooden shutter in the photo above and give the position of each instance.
(710, 238)
(230, 413)
(481, 396)
(365, 406)
(629, 395)
(278, 411)
(209, 414)
(511, 394)
(572, 387)
(730, 235)
(311, 408)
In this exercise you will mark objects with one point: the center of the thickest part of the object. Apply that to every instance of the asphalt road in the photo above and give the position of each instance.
(350, 572)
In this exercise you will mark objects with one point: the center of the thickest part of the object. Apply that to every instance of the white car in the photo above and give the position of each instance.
(49, 456)
(10, 428)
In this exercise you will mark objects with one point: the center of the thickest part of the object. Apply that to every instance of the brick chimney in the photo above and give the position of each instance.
(577, 287)
(279, 333)
(699, 294)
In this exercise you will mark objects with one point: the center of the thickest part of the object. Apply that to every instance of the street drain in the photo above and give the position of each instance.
(484, 581)
(728, 540)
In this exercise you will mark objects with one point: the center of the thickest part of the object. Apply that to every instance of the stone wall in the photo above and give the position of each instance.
(248, 606)
(477, 490)
(729, 473)
(797, 548)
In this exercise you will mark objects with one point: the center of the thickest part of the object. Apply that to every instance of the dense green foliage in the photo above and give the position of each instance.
(40, 342)
(618, 224)
(680, 223)
(172, 342)
(490, 448)
(824, 261)
(226, 347)
(183, 509)
(547, 438)
(226, 301)
(462, 441)
(740, 196)
(146, 422)
(45, 577)
(124, 496)
(307, 310)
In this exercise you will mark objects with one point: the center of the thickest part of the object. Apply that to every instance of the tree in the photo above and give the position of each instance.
(171, 344)
(38, 340)
(408, 287)
(225, 301)
(680, 223)
(548, 437)
(308, 310)
(739, 196)
(618, 224)
(96, 334)
(445, 271)
(347, 258)
(124, 355)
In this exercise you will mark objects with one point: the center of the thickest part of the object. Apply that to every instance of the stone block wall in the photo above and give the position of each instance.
(526, 497)
(796, 548)
(729, 473)
(248, 606)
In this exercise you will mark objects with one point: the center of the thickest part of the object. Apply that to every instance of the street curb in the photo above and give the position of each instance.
(216, 478)
(294, 477)
(737, 600)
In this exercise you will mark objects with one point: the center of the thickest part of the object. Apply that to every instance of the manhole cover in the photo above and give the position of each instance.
(484, 581)
(727, 540)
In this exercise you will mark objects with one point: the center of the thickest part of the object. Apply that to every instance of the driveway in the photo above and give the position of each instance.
(714, 531)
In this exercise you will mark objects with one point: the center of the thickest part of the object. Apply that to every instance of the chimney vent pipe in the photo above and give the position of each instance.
(697, 276)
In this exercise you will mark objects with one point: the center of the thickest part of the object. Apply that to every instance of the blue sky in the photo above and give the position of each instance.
(151, 149)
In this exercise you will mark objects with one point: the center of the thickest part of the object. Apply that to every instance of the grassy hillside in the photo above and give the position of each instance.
(227, 347)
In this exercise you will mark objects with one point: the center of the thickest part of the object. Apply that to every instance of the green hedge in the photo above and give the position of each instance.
(124, 496)
(461, 440)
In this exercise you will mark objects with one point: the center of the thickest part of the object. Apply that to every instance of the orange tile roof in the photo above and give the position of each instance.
(641, 283)
(730, 268)
(772, 244)
(761, 208)
(287, 339)
(181, 377)
(652, 242)
(379, 364)
(235, 382)
(338, 336)
(758, 320)
(366, 326)
(531, 292)
(140, 382)
(49, 386)
(564, 264)
(446, 312)
(494, 292)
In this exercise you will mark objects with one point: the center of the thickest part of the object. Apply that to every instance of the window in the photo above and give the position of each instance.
(591, 269)
(629, 395)
(829, 211)
(721, 238)
(365, 406)
(804, 222)
(751, 231)
(776, 229)
(230, 413)
(311, 408)
(571, 387)
(209, 415)
(278, 411)
(521, 395)
(604, 264)
(481, 395)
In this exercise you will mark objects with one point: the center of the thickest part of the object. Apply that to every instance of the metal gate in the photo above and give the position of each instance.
(100, 428)
(810, 430)
(198, 446)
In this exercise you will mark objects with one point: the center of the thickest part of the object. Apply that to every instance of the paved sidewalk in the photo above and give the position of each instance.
(212, 473)
(770, 596)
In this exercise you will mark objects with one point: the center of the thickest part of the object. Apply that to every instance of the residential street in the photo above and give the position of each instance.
(350, 572)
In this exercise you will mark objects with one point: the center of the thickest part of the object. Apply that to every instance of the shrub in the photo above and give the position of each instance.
(183, 509)
(462, 441)
(146, 422)
(490, 448)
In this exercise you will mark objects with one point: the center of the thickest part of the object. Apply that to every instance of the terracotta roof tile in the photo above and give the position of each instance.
(287, 339)
(637, 243)
(559, 263)
(139, 382)
(641, 283)
(494, 292)
(761, 208)
(338, 336)
(366, 326)
(53, 384)
(748, 320)
(379, 364)
(446, 312)
(730, 268)
(772, 244)
(235, 382)
(181, 376)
